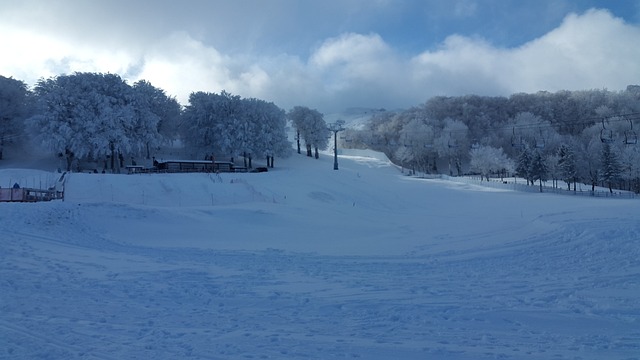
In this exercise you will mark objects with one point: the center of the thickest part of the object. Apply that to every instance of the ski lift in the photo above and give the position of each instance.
(451, 142)
(630, 136)
(606, 135)
(516, 141)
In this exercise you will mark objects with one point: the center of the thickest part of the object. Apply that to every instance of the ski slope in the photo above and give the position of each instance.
(308, 262)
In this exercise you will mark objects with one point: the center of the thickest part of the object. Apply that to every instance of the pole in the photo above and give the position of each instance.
(335, 128)
(335, 150)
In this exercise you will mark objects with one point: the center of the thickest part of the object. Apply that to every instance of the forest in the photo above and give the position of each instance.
(99, 118)
(585, 136)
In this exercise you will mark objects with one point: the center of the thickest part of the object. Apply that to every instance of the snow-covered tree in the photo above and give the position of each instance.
(227, 124)
(630, 166)
(417, 143)
(567, 165)
(13, 110)
(610, 166)
(523, 166)
(310, 127)
(539, 170)
(453, 143)
(489, 160)
(553, 168)
(87, 115)
(212, 124)
(269, 137)
(158, 115)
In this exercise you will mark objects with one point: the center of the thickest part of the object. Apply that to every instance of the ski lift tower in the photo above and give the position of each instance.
(335, 128)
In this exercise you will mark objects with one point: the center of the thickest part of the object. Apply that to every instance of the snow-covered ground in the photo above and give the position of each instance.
(308, 262)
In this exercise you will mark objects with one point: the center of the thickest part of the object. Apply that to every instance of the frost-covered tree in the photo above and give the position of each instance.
(523, 166)
(489, 160)
(269, 138)
(610, 166)
(310, 127)
(539, 170)
(589, 155)
(227, 124)
(553, 168)
(630, 167)
(88, 115)
(212, 124)
(567, 165)
(453, 143)
(158, 115)
(417, 143)
(13, 110)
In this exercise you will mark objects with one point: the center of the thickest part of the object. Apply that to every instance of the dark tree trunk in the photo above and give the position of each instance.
(309, 152)
(316, 154)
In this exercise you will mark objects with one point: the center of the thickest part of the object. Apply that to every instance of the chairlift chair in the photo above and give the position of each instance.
(606, 135)
(516, 141)
(451, 142)
(630, 136)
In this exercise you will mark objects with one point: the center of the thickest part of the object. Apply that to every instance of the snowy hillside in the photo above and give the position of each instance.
(354, 118)
(308, 262)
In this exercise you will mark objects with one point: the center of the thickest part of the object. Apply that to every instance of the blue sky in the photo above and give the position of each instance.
(330, 54)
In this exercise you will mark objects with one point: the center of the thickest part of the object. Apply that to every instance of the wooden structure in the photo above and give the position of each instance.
(197, 166)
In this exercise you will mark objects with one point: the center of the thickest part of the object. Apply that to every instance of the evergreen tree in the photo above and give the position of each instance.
(538, 169)
(523, 167)
(611, 169)
(567, 165)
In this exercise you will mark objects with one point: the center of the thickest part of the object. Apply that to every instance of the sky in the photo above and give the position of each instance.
(329, 55)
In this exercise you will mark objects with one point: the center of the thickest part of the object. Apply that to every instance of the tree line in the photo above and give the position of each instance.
(100, 117)
(574, 136)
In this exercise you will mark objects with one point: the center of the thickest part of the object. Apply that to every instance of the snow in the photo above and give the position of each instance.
(307, 262)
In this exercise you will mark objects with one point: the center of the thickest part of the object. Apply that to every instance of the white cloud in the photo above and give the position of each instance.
(591, 50)
(594, 50)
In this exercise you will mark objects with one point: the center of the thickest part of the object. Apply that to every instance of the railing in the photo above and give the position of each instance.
(20, 194)
(29, 195)
(511, 185)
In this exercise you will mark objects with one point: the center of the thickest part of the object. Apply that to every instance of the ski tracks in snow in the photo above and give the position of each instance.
(567, 294)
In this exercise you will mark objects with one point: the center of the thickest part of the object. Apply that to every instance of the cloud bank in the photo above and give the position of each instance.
(590, 50)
